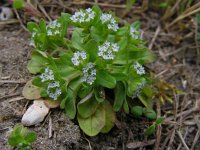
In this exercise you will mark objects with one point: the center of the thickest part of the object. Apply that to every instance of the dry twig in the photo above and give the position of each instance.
(13, 81)
(184, 113)
(184, 15)
(182, 140)
(11, 21)
(16, 99)
(135, 144)
(10, 95)
(154, 37)
(20, 21)
(180, 145)
(50, 127)
(158, 132)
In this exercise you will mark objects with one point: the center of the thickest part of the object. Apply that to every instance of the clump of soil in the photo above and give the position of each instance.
(58, 132)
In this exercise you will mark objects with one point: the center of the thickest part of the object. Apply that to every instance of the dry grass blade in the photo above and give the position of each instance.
(8, 96)
(44, 12)
(154, 37)
(136, 144)
(50, 127)
(13, 81)
(100, 4)
(16, 99)
(20, 21)
(186, 133)
(184, 15)
(7, 22)
(169, 12)
(196, 41)
(195, 6)
(184, 113)
(182, 140)
(158, 132)
(172, 136)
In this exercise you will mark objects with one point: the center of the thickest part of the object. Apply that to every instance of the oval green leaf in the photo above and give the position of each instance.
(110, 118)
(30, 91)
(149, 113)
(93, 124)
(70, 106)
(91, 47)
(87, 106)
(37, 62)
(30, 137)
(137, 111)
(105, 79)
(120, 96)
(151, 130)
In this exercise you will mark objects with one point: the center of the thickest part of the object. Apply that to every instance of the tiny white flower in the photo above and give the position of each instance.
(113, 27)
(77, 57)
(33, 34)
(105, 17)
(139, 68)
(53, 85)
(134, 33)
(47, 75)
(32, 43)
(107, 49)
(89, 73)
(111, 22)
(139, 89)
(57, 32)
(53, 90)
(88, 10)
(53, 28)
(115, 47)
(52, 24)
(58, 25)
(83, 16)
(49, 33)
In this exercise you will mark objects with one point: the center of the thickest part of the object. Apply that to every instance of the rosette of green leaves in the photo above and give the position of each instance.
(91, 102)
(20, 138)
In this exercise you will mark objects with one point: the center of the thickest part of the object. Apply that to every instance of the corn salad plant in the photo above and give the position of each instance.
(92, 66)
(20, 138)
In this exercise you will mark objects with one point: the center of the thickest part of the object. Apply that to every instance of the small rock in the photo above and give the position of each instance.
(6, 13)
(35, 113)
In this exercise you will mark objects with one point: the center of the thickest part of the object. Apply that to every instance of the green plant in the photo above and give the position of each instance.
(138, 111)
(20, 138)
(18, 4)
(198, 23)
(129, 4)
(152, 128)
(96, 65)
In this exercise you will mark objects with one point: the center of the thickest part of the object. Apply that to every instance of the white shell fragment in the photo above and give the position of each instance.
(6, 13)
(35, 113)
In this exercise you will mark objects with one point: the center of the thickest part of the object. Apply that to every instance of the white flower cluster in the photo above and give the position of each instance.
(53, 28)
(89, 73)
(112, 23)
(47, 75)
(134, 33)
(77, 56)
(107, 50)
(83, 16)
(139, 68)
(139, 89)
(53, 90)
(32, 43)
(33, 34)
